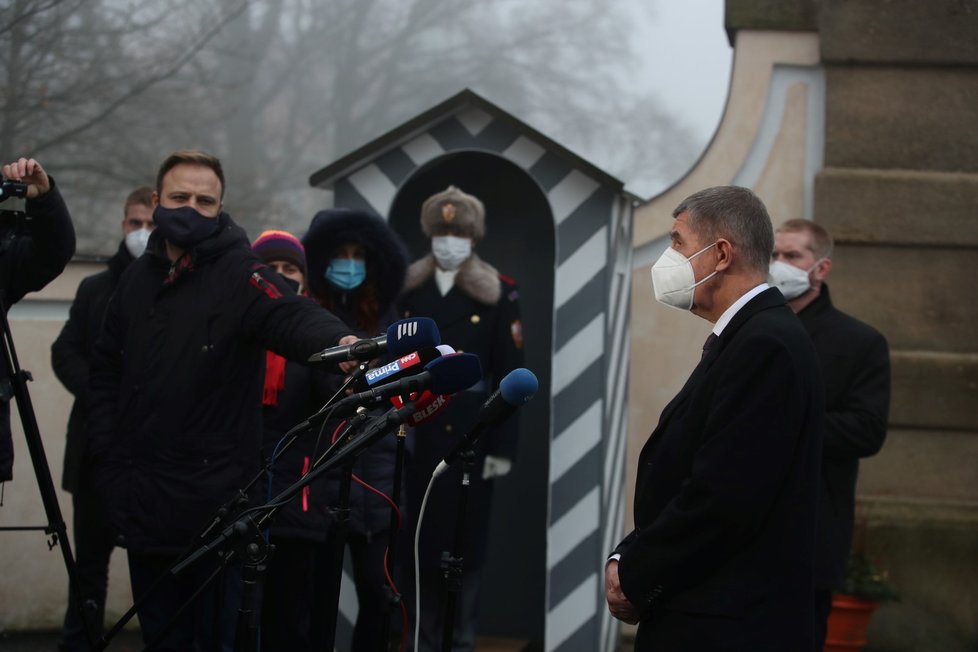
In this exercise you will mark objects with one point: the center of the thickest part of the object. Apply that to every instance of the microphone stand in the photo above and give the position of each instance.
(451, 564)
(345, 449)
(342, 513)
(395, 597)
(13, 386)
(224, 514)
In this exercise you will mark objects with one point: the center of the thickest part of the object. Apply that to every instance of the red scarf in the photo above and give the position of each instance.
(274, 378)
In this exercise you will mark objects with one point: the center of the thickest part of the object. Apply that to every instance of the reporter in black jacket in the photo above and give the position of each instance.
(71, 357)
(176, 388)
(31, 258)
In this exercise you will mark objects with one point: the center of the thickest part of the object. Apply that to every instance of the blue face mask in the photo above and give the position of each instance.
(346, 273)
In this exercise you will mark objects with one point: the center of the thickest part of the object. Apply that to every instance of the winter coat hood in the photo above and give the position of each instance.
(386, 255)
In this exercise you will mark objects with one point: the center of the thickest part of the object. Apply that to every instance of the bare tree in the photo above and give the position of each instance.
(75, 73)
(279, 88)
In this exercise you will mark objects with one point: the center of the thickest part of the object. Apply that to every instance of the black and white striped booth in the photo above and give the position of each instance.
(563, 229)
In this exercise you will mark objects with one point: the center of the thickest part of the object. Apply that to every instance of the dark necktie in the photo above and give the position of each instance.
(708, 344)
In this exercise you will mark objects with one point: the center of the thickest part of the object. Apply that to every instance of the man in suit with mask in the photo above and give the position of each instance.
(722, 552)
(71, 355)
(855, 363)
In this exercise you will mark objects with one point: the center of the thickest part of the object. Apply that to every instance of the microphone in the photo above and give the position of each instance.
(401, 338)
(515, 389)
(396, 369)
(426, 406)
(399, 368)
(444, 375)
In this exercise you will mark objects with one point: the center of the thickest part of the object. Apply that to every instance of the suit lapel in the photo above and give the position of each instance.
(769, 298)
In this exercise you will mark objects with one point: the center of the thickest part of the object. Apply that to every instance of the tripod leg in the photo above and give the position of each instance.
(42, 472)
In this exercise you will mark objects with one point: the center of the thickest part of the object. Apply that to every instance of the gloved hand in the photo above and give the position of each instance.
(496, 467)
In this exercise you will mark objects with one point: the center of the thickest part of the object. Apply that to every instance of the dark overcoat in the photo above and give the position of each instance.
(722, 554)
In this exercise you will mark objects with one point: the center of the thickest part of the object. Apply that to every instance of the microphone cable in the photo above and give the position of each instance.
(417, 564)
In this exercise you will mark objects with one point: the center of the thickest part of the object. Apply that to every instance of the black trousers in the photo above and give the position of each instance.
(433, 594)
(93, 546)
(823, 606)
(287, 602)
(367, 557)
(208, 625)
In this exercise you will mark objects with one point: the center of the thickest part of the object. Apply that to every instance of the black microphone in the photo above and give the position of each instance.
(402, 337)
(444, 375)
(515, 389)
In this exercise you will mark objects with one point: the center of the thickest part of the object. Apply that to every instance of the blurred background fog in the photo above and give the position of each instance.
(100, 91)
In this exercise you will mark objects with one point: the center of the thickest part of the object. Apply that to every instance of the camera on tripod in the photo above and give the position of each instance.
(10, 189)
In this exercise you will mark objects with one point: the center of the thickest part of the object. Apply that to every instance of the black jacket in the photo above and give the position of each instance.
(722, 553)
(71, 357)
(311, 515)
(479, 315)
(32, 253)
(177, 380)
(855, 364)
(306, 390)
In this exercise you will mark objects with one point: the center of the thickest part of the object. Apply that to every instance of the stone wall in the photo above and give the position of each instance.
(899, 191)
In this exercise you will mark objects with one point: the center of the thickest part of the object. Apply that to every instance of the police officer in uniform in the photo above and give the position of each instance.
(477, 311)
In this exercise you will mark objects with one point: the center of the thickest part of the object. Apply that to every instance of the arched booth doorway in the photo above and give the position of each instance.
(562, 228)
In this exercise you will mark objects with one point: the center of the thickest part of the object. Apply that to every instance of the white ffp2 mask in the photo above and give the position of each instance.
(673, 279)
(136, 242)
(451, 251)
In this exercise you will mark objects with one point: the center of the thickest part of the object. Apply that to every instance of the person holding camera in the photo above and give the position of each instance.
(33, 252)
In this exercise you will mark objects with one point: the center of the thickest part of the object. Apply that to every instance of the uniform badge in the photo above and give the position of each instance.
(516, 330)
(448, 212)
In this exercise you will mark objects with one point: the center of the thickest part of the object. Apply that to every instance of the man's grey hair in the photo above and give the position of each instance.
(735, 214)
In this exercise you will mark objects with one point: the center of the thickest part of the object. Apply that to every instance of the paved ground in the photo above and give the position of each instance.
(131, 642)
(48, 642)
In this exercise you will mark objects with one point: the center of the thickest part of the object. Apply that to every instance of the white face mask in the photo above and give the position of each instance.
(451, 251)
(792, 281)
(673, 279)
(136, 242)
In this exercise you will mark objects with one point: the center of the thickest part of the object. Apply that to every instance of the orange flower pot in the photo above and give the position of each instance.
(848, 623)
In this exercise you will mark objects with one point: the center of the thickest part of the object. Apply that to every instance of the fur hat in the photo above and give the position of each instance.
(452, 207)
(386, 259)
(280, 245)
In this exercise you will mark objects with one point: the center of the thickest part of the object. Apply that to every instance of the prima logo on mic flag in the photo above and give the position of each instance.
(376, 375)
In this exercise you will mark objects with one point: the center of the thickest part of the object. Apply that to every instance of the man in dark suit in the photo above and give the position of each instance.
(722, 554)
(477, 311)
(855, 364)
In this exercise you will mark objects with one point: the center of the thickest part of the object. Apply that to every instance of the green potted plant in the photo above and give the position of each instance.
(866, 587)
